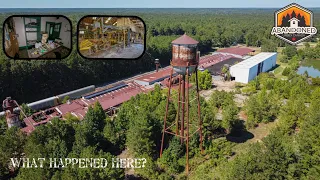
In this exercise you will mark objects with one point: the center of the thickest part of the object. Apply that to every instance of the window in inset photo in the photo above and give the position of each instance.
(111, 37)
(37, 37)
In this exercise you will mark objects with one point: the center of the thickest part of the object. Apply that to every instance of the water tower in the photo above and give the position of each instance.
(12, 118)
(185, 60)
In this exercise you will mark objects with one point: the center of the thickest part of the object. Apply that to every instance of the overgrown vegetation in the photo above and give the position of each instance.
(204, 79)
(290, 151)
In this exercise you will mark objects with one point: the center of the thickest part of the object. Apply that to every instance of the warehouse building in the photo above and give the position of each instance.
(238, 52)
(209, 61)
(248, 69)
(109, 98)
(216, 68)
(155, 77)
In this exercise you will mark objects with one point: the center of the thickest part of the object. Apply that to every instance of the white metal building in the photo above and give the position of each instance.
(248, 69)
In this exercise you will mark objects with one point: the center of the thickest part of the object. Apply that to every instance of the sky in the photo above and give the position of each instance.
(155, 3)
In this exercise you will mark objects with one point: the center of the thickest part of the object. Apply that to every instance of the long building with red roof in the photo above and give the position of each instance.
(111, 97)
(238, 52)
(79, 107)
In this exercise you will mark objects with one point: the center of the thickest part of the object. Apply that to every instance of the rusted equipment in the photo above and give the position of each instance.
(12, 118)
(185, 60)
(9, 106)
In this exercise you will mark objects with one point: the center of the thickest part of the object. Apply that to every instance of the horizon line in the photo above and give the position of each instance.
(143, 7)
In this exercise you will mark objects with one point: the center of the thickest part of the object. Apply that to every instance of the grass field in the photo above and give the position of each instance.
(259, 133)
(278, 70)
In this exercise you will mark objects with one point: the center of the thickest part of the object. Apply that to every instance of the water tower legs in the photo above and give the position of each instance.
(179, 100)
(199, 111)
(187, 117)
(183, 107)
(182, 119)
(165, 116)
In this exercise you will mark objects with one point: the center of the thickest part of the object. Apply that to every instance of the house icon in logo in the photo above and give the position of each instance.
(294, 22)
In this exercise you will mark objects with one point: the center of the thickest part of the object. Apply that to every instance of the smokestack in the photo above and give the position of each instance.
(157, 62)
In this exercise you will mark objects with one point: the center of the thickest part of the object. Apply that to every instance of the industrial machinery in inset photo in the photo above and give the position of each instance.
(103, 37)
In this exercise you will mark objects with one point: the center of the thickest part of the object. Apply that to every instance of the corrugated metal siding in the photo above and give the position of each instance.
(247, 70)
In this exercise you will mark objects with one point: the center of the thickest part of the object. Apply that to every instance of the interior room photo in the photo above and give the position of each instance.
(37, 37)
(111, 37)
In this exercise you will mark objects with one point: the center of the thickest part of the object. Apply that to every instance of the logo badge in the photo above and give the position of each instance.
(294, 24)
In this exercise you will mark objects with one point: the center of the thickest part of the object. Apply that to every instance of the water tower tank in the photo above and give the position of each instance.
(184, 54)
(8, 104)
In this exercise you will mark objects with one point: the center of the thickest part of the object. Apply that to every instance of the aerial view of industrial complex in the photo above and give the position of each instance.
(211, 94)
(112, 96)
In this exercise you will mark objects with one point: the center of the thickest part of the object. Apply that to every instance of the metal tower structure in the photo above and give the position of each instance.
(12, 117)
(185, 60)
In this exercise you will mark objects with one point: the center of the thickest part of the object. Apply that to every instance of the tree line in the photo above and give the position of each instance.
(28, 81)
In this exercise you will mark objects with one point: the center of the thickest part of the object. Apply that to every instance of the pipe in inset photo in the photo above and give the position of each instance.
(111, 37)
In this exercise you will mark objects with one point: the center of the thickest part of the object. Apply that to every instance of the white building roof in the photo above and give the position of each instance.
(293, 19)
(254, 60)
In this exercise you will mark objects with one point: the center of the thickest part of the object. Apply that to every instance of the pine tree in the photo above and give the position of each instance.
(293, 15)
(284, 21)
(100, 115)
(302, 21)
(287, 20)
(299, 16)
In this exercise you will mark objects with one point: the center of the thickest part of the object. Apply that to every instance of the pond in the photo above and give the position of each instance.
(312, 66)
(313, 72)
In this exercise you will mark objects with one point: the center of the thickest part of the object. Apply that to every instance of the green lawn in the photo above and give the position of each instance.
(258, 134)
(278, 71)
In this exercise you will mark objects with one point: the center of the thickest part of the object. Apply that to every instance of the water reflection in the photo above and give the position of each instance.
(313, 72)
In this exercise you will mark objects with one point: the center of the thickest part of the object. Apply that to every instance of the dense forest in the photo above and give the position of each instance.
(291, 150)
(28, 81)
(291, 103)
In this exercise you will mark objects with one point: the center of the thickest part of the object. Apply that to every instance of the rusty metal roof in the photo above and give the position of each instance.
(116, 97)
(28, 129)
(208, 61)
(184, 39)
(79, 107)
(163, 73)
(236, 50)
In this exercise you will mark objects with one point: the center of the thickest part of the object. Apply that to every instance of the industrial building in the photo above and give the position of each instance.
(153, 78)
(216, 69)
(238, 52)
(206, 62)
(55, 100)
(111, 96)
(248, 69)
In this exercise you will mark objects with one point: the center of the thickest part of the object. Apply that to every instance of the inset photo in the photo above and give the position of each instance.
(37, 37)
(111, 37)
